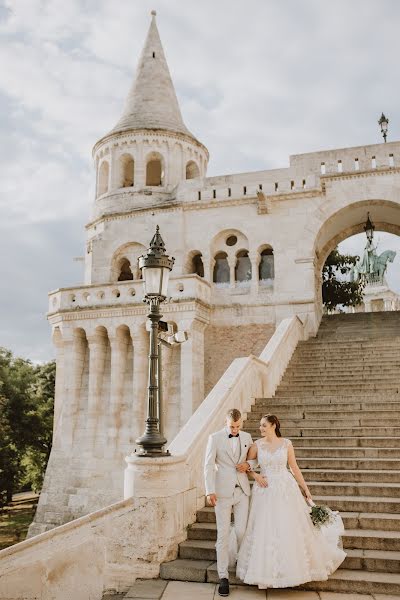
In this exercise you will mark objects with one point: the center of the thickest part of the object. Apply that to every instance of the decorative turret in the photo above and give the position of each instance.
(150, 146)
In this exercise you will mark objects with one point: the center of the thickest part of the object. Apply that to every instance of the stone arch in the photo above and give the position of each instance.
(192, 170)
(345, 222)
(221, 273)
(242, 267)
(125, 271)
(155, 169)
(128, 253)
(104, 174)
(266, 265)
(219, 243)
(194, 263)
(126, 171)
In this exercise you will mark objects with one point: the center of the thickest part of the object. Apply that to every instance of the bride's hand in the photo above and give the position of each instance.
(262, 481)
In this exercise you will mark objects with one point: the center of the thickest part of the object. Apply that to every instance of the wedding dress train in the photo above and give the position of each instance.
(281, 547)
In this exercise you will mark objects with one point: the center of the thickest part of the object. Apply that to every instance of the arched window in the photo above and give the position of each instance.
(125, 272)
(197, 265)
(243, 266)
(154, 170)
(127, 171)
(103, 177)
(266, 270)
(192, 170)
(221, 268)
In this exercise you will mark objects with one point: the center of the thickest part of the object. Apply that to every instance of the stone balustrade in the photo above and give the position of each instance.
(125, 292)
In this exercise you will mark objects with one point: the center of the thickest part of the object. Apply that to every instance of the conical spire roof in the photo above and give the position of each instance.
(152, 101)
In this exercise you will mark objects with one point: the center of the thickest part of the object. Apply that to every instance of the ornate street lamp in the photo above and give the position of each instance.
(369, 228)
(384, 122)
(155, 267)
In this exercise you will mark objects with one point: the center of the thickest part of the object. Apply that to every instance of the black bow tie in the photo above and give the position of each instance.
(231, 435)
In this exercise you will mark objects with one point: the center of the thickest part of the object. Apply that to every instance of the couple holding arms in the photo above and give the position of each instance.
(278, 544)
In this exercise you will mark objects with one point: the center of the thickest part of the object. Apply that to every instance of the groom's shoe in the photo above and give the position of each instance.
(223, 588)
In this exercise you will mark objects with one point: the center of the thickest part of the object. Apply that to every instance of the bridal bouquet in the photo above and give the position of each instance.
(321, 515)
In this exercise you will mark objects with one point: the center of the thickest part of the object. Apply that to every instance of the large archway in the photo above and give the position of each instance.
(346, 222)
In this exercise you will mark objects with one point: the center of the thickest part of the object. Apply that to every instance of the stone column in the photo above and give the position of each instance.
(255, 261)
(140, 339)
(97, 356)
(192, 368)
(59, 387)
(74, 349)
(232, 264)
(119, 351)
(208, 264)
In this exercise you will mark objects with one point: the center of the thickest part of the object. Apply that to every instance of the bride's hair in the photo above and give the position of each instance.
(275, 421)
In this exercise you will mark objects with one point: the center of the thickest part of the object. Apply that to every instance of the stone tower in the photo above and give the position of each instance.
(99, 328)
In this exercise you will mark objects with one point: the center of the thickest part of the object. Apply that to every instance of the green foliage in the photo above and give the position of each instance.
(336, 289)
(26, 422)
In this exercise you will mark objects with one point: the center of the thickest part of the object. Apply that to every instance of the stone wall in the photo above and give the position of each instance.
(223, 344)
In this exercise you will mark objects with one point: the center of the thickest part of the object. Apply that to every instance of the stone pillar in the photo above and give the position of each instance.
(140, 339)
(232, 265)
(192, 368)
(97, 356)
(119, 351)
(59, 387)
(208, 264)
(74, 349)
(255, 261)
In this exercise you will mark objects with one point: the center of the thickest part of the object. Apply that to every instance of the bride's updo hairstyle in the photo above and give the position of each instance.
(273, 419)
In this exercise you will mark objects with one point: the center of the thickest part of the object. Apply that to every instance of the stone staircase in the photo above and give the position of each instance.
(339, 403)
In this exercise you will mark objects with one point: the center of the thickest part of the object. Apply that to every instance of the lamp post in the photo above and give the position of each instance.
(369, 229)
(384, 122)
(155, 266)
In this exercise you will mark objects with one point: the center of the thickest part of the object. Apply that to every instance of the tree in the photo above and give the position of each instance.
(26, 422)
(336, 289)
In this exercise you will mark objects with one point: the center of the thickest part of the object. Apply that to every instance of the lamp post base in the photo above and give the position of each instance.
(152, 441)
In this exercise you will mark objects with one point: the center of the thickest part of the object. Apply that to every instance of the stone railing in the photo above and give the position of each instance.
(109, 549)
(125, 292)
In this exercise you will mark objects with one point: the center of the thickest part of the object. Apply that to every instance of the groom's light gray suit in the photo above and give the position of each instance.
(231, 487)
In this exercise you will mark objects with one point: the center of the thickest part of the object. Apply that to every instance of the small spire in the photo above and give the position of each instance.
(152, 101)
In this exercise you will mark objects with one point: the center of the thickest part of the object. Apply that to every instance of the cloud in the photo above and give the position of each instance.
(256, 81)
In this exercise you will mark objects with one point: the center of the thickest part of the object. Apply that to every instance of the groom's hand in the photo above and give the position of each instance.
(212, 499)
(243, 467)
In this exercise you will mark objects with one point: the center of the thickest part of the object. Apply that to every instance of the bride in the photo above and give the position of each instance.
(281, 547)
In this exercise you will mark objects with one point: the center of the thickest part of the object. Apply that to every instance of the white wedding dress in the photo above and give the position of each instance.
(281, 547)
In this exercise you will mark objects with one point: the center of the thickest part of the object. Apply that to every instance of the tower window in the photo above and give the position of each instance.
(229, 192)
(323, 168)
(244, 190)
(356, 164)
(276, 186)
(154, 54)
(214, 194)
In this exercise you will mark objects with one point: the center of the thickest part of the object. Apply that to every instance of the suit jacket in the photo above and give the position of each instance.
(220, 472)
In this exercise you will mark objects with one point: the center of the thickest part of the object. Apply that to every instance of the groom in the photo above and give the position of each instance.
(227, 486)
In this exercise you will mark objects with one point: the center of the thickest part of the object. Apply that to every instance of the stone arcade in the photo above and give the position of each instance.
(249, 250)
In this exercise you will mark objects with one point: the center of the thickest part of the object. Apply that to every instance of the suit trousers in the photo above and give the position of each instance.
(223, 509)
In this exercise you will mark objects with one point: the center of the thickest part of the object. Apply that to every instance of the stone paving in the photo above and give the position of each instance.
(181, 590)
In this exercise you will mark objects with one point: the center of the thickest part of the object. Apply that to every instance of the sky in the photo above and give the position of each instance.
(256, 81)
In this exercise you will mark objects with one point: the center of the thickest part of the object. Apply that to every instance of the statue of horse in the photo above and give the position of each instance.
(381, 261)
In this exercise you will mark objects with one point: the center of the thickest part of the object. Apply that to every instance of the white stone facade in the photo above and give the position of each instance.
(280, 226)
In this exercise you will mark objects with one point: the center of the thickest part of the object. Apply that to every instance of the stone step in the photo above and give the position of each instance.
(323, 421)
(362, 504)
(330, 397)
(336, 388)
(352, 475)
(327, 403)
(362, 539)
(372, 465)
(352, 379)
(358, 432)
(343, 580)
(350, 488)
(205, 523)
(322, 412)
(346, 453)
(349, 442)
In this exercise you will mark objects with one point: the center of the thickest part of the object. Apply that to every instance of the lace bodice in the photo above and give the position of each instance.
(274, 461)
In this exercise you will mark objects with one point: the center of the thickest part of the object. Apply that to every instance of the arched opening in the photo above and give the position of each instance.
(221, 274)
(104, 172)
(243, 267)
(154, 170)
(126, 171)
(192, 170)
(197, 265)
(266, 269)
(347, 222)
(125, 271)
